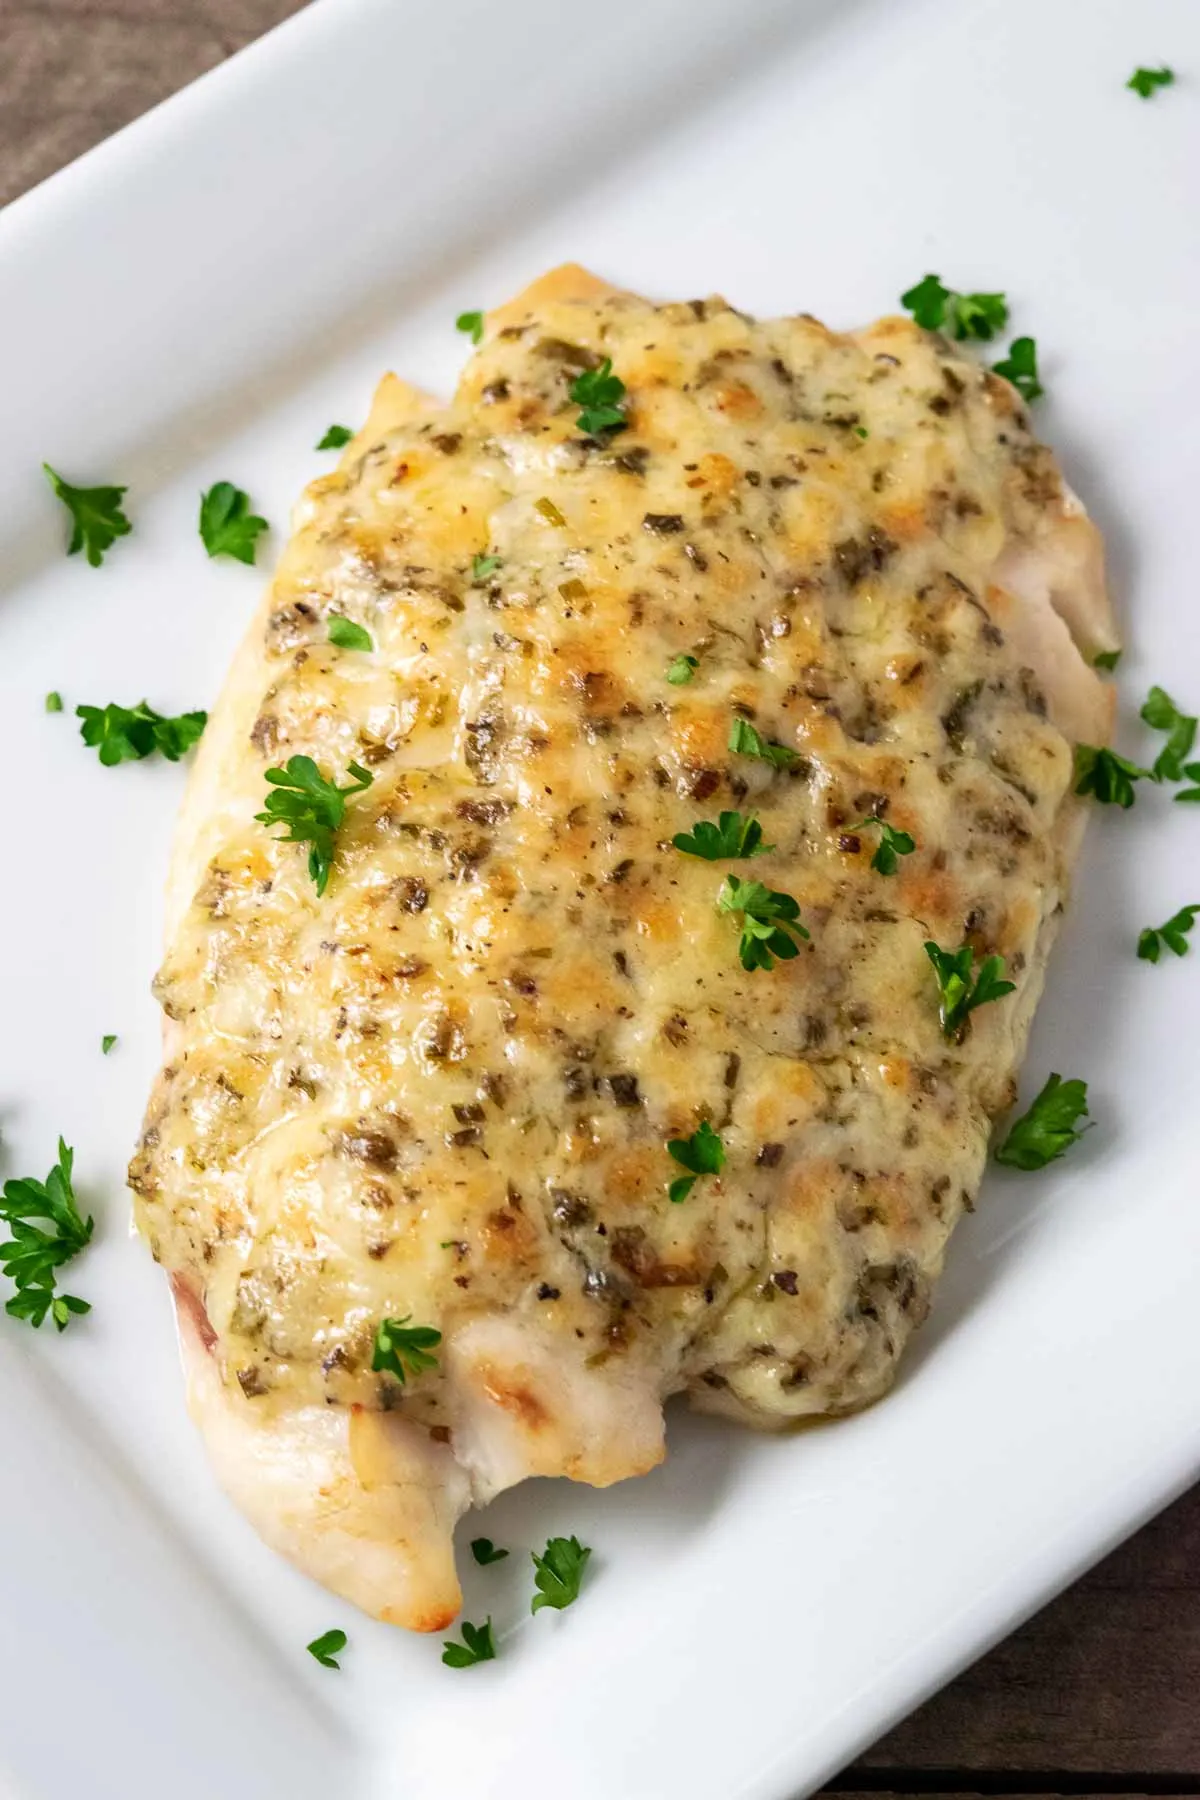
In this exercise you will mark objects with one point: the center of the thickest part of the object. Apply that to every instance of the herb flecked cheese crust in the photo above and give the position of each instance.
(443, 1091)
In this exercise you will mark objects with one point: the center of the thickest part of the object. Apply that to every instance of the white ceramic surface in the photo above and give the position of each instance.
(198, 300)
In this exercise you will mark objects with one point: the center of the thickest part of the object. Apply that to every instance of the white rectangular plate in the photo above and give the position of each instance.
(198, 300)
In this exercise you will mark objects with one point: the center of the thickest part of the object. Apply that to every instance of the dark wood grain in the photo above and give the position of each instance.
(1101, 1692)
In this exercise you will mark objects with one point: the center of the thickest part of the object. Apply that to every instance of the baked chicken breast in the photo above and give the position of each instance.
(452, 1066)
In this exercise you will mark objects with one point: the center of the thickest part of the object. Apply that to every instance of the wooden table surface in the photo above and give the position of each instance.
(1100, 1693)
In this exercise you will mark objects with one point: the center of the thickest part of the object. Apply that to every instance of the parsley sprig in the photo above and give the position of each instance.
(702, 1154)
(1147, 82)
(744, 740)
(1191, 772)
(478, 1645)
(130, 733)
(892, 844)
(1106, 775)
(312, 808)
(1174, 934)
(681, 668)
(939, 308)
(601, 394)
(1020, 367)
(1161, 714)
(336, 438)
(961, 989)
(1048, 1129)
(558, 1573)
(32, 1256)
(329, 1646)
(402, 1349)
(347, 634)
(472, 324)
(227, 526)
(732, 836)
(96, 517)
(768, 918)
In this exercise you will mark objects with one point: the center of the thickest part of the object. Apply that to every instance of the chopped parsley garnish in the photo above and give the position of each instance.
(681, 668)
(1173, 934)
(478, 1646)
(472, 324)
(702, 1154)
(892, 844)
(32, 1256)
(939, 308)
(312, 809)
(1106, 659)
(347, 635)
(1106, 775)
(329, 1646)
(731, 836)
(1042, 1134)
(402, 1349)
(336, 438)
(1147, 82)
(1191, 772)
(1020, 368)
(54, 701)
(558, 1573)
(227, 525)
(744, 740)
(129, 733)
(961, 990)
(1161, 714)
(484, 567)
(97, 519)
(484, 1551)
(107, 1042)
(600, 393)
(767, 919)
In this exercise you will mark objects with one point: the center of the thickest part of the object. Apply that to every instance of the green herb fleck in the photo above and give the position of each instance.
(731, 836)
(472, 324)
(97, 519)
(892, 844)
(328, 1647)
(129, 733)
(484, 1551)
(107, 1042)
(311, 808)
(1161, 714)
(227, 525)
(478, 1645)
(1042, 1134)
(1147, 82)
(558, 1573)
(767, 919)
(347, 635)
(336, 438)
(1020, 368)
(681, 669)
(31, 1257)
(402, 1349)
(1173, 934)
(937, 307)
(600, 393)
(962, 990)
(701, 1154)
(484, 567)
(54, 702)
(1106, 775)
(1106, 659)
(744, 740)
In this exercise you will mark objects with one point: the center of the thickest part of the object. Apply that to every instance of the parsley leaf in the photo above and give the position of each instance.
(472, 324)
(731, 836)
(600, 393)
(31, 1257)
(936, 307)
(483, 567)
(312, 809)
(347, 635)
(478, 1646)
(227, 525)
(96, 514)
(403, 1349)
(892, 844)
(559, 1571)
(960, 994)
(1047, 1130)
(681, 668)
(54, 702)
(744, 740)
(703, 1154)
(1192, 772)
(1020, 368)
(1106, 775)
(484, 1552)
(1106, 659)
(767, 918)
(129, 733)
(1161, 714)
(328, 1647)
(107, 1042)
(336, 438)
(1173, 934)
(1146, 82)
